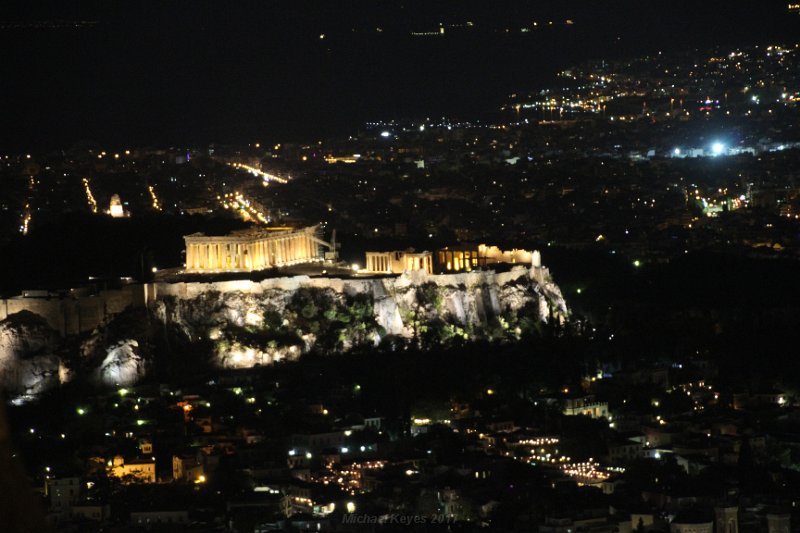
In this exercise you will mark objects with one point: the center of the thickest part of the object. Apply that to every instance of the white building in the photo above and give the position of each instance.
(98, 513)
(115, 208)
(63, 492)
(586, 406)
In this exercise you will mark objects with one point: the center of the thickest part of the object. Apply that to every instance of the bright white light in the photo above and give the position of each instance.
(677, 151)
(717, 148)
(422, 128)
(386, 134)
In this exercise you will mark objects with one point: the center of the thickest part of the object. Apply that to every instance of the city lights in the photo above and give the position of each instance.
(265, 176)
(522, 300)
(248, 209)
(155, 203)
(89, 196)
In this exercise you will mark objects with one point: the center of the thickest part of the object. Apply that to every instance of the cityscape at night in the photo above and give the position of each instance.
(517, 266)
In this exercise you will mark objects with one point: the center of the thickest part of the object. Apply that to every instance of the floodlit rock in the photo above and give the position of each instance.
(243, 323)
(27, 362)
(233, 313)
(123, 366)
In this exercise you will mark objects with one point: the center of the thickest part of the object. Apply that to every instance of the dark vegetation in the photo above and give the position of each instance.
(743, 313)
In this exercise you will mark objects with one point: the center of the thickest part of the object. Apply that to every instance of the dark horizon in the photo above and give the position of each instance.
(183, 74)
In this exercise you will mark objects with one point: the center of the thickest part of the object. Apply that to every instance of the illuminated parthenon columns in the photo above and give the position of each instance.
(399, 261)
(252, 250)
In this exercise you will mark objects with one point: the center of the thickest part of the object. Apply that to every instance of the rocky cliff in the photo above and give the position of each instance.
(254, 323)
(28, 360)
(241, 324)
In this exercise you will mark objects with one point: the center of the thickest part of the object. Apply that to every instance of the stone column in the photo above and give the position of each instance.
(301, 248)
(264, 256)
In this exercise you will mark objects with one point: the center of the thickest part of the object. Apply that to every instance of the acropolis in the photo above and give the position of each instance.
(251, 250)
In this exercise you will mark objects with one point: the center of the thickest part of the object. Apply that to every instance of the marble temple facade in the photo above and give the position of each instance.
(251, 250)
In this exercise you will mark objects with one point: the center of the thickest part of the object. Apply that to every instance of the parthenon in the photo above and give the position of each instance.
(250, 250)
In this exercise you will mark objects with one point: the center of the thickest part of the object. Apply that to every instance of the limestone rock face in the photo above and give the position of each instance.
(122, 366)
(258, 323)
(243, 356)
(28, 364)
(243, 323)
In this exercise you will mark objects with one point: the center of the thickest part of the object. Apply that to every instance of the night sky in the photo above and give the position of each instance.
(186, 72)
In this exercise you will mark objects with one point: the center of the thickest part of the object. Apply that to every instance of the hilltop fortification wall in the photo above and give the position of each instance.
(74, 312)
(244, 323)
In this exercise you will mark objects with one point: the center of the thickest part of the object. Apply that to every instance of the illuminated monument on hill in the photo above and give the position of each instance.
(115, 208)
(254, 249)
